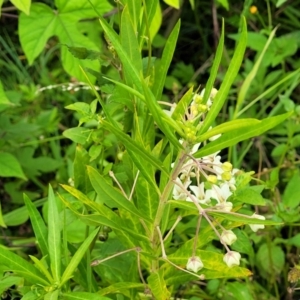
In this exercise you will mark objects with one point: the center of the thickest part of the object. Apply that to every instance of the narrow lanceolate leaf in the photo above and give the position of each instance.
(111, 196)
(130, 144)
(227, 127)
(129, 41)
(120, 287)
(54, 236)
(158, 286)
(166, 124)
(75, 260)
(122, 53)
(16, 264)
(161, 72)
(240, 134)
(114, 222)
(215, 67)
(41, 266)
(38, 225)
(181, 107)
(83, 296)
(229, 78)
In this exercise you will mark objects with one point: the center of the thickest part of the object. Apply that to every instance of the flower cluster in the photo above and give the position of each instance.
(208, 182)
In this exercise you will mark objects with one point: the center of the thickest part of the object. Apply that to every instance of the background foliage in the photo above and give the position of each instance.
(44, 96)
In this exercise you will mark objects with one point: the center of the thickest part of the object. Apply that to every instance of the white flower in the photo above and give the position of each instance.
(179, 191)
(221, 193)
(232, 258)
(202, 196)
(225, 206)
(228, 237)
(194, 264)
(256, 227)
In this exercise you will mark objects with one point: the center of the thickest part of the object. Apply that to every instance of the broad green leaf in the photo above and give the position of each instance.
(83, 296)
(224, 3)
(239, 290)
(137, 149)
(227, 127)
(21, 267)
(53, 295)
(4, 102)
(249, 196)
(215, 66)
(9, 281)
(41, 267)
(75, 260)
(271, 259)
(23, 5)
(54, 236)
(111, 196)
(167, 56)
(20, 215)
(34, 31)
(158, 286)
(243, 244)
(122, 53)
(291, 195)
(38, 225)
(229, 78)
(240, 134)
(173, 3)
(134, 13)
(84, 53)
(10, 166)
(2, 223)
(78, 134)
(120, 286)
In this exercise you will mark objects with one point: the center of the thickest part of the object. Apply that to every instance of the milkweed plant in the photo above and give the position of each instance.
(166, 211)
